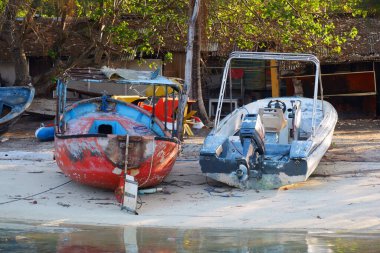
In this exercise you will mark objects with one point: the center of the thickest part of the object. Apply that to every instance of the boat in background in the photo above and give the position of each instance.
(13, 103)
(104, 142)
(87, 87)
(270, 142)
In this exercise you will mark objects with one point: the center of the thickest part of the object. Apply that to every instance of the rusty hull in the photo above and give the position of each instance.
(100, 160)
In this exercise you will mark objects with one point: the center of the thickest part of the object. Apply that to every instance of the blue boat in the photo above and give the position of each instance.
(13, 103)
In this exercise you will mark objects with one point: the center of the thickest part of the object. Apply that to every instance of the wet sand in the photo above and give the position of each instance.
(343, 193)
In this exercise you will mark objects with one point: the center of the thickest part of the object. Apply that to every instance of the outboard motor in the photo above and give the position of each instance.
(252, 134)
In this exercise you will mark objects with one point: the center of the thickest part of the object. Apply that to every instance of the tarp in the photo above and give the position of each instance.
(136, 76)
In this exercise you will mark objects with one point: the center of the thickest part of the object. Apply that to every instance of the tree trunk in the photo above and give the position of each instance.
(44, 86)
(188, 70)
(21, 66)
(105, 36)
(99, 51)
(15, 42)
(43, 83)
(197, 78)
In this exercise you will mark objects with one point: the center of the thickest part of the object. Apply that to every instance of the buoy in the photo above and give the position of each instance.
(45, 133)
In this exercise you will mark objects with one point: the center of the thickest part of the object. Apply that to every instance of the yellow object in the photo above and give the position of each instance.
(187, 130)
(160, 91)
(187, 118)
(274, 78)
(129, 99)
(190, 114)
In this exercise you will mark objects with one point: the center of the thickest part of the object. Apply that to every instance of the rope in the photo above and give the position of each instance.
(27, 197)
(151, 162)
(139, 202)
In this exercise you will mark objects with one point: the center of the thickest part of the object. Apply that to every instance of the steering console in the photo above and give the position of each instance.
(277, 104)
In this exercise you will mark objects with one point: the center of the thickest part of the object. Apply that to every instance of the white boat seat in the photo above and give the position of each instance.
(273, 119)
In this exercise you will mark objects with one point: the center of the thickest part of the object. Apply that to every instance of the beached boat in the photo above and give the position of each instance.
(100, 141)
(13, 103)
(270, 142)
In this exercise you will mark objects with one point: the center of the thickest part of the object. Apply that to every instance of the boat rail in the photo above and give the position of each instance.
(93, 75)
(272, 56)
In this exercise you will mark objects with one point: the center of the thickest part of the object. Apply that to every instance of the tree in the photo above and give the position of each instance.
(197, 77)
(283, 25)
(371, 6)
(144, 27)
(15, 40)
(114, 27)
(189, 66)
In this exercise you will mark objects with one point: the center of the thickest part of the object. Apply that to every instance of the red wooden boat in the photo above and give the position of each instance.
(99, 140)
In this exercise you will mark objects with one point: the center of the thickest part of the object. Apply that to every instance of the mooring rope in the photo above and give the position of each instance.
(151, 162)
(27, 197)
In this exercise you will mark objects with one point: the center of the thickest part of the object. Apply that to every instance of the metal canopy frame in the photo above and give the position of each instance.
(271, 56)
(94, 75)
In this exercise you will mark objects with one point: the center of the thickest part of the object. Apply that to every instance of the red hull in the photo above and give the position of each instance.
(99, 160)
(98, 140)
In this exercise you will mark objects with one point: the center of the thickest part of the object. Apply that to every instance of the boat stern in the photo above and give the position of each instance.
(223, 160)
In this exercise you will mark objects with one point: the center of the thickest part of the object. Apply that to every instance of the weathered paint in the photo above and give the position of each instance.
(98, 159)
(88, 161)
(13, 103)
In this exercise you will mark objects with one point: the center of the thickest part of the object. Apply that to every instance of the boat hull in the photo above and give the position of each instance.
(100, 161)
(13, 103)
(282, 164)
(277, 174)
(5, 126)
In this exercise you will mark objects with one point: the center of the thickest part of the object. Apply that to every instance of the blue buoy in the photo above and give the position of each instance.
(45, 133)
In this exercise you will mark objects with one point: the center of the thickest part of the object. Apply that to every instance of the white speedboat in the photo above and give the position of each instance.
(270, 142)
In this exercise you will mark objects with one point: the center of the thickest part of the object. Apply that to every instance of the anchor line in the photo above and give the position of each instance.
(151, 162)
(27, 197)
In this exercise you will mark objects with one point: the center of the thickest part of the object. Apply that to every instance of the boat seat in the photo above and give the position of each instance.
(273, 119)
(275, 125)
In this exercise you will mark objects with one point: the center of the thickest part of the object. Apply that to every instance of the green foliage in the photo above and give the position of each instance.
(52, 54)
(140, 25)
(143, 27)
(2, 5)
(168, 57)
(372, 7)
(283, 25)
(48, 8)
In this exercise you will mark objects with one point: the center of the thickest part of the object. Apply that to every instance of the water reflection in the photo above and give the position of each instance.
(26, 238)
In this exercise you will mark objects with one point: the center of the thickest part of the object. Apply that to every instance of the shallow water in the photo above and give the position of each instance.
(33, 238)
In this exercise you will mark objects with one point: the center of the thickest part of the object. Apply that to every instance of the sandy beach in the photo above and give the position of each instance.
(343, 193)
